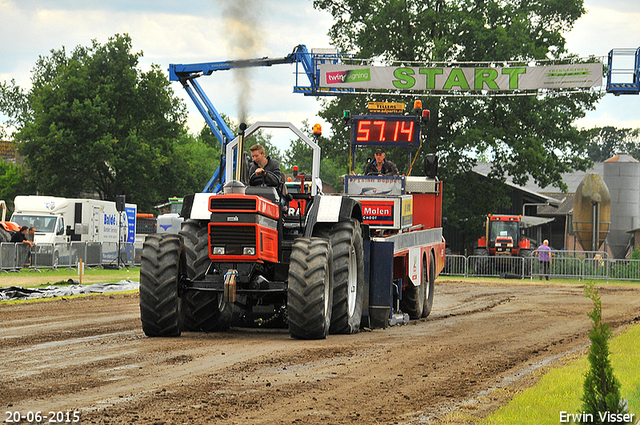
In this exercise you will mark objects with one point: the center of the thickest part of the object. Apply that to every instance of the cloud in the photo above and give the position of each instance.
(167, 32)
(606, 25)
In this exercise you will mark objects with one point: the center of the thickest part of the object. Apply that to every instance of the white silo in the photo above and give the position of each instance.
(622, 176)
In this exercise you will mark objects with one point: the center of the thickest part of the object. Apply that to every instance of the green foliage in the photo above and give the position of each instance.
(199, 157)
(470, 190)
(559, 389)
(94, 124)
(332, 164)
(12, 181)
(14, 104)
(604, 142)
(601, 388)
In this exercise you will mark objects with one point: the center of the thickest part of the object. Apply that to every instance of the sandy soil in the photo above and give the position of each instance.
(89, 355)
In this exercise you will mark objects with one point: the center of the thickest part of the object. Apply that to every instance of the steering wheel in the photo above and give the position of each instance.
(263, 182)
(373, 173)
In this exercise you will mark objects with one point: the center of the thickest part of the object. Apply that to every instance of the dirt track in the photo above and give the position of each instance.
(90, 355)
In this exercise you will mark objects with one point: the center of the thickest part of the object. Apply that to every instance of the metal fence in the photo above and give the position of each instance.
(564, 264)
(16, 256)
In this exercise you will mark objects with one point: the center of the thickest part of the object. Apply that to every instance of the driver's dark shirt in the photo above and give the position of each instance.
(388, 168)
(272, 166)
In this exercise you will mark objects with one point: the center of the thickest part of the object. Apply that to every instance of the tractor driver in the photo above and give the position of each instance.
(380, 167)
(263, 168)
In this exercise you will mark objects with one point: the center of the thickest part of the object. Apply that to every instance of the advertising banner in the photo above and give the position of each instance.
(131, 223)
(374, 185)
(461, 78)
(378, 213)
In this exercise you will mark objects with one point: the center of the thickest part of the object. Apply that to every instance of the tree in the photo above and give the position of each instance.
(601, 387)
(332, 166)
(605, 142)
(524, 136)
(93, 123)
(12, 181)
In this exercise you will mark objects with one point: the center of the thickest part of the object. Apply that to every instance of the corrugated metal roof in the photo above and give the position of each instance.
(565, 207)
(622, 157)
(572, 180)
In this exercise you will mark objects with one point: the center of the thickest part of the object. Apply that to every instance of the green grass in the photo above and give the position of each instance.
(561, 388)
(32, 279)
(554, 281)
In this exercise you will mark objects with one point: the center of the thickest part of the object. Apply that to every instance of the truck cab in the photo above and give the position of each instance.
(503, 237)
(49, 228)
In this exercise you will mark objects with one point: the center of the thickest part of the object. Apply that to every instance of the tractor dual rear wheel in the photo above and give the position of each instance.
(162, 265)
(413, 297)
(348, 275)
(417, 301)
(202, 311)
(429, 286)
(310, 292)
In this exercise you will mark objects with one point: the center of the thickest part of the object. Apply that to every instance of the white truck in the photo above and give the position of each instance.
(59, 221)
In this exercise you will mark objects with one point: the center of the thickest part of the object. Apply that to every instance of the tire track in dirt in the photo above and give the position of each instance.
(90, 355)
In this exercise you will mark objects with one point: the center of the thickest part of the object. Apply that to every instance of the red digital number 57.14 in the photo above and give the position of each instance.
(385, 131)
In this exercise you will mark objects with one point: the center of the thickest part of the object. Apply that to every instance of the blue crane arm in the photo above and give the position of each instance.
(187, 75)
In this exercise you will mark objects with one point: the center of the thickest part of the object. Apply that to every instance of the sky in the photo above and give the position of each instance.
(169, 31)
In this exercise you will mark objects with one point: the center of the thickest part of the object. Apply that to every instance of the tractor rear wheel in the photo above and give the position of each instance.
(161, 267)
(348, 275)
(202, 311)
(429, 285)
(413, 298)
(310, 293)
(527, 261)
(481, 264)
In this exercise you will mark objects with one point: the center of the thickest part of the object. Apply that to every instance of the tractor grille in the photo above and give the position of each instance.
(233, 238)
(222, 203)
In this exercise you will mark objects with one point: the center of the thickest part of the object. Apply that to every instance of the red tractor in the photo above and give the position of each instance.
(503, 237)
(503, 240)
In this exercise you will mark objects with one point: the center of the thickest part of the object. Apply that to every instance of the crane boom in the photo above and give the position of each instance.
(187, 75)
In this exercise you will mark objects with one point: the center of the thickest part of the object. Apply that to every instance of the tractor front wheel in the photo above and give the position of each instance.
(310, 293)
(348, 275)
(162, 265)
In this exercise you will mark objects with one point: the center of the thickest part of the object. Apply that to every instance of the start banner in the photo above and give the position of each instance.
(462, 78)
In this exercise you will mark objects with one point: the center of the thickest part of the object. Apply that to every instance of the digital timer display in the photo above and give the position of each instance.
(377, 129)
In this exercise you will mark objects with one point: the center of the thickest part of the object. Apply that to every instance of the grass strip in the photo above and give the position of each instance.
(560, 390)
(28, 278)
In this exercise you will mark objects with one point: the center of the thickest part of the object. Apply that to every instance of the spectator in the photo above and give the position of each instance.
(21, 237)
(544, 255)
(32, 234)
(380, 166)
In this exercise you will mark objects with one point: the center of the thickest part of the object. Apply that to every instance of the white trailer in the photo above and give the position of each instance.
(61, 222)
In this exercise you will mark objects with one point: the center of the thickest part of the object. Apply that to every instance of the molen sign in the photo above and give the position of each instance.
(462, 78)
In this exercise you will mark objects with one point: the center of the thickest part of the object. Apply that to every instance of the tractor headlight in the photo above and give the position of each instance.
(218, 250)
(249, 250)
